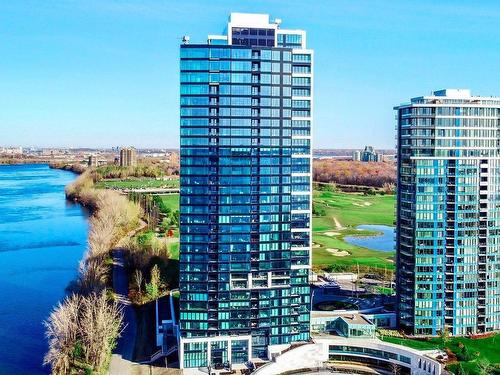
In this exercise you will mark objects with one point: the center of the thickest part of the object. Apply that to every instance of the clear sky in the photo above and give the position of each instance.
(101, 73)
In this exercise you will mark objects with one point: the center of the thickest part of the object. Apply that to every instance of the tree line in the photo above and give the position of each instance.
(348, 172)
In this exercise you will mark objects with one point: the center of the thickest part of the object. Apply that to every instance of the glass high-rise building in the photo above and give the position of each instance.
(245, 232)
(448, 214)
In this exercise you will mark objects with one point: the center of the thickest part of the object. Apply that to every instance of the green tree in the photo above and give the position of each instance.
(153, 287)
(445, 335)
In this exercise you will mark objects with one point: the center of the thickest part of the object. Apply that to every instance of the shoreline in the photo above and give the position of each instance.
(23, 161)
(112, 219)
(76, 167)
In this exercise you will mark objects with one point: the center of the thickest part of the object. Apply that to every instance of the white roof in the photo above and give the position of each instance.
(250, 19)
(454, 93)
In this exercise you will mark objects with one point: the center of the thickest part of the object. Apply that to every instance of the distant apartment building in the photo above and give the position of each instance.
(448, 213)
(92, 161)
(128, 157)
(367, 155)
(245, 193)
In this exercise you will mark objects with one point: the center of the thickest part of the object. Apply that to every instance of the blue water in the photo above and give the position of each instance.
(383, 242)
(42, 238)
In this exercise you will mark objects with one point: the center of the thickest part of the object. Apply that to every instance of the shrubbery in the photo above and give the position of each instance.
(153, 270)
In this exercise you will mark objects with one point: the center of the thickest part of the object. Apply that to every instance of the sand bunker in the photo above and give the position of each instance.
(331, 234)
(338, 253)
(364, 204)
(316, 245)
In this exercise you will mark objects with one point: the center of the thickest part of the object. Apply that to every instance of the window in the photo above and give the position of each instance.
(194, 52)
(237, 53)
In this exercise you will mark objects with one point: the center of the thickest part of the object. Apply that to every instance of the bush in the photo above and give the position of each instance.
(464, 355)
(317, 210)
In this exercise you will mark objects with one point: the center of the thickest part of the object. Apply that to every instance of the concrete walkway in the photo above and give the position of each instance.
(121, 360)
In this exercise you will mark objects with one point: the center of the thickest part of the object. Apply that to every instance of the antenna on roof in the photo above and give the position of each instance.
(277, 21)
(185, 39)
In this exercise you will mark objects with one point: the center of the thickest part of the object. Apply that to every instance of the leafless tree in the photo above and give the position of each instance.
(101, 324)
(138, 280)
(395, 369)
(93, 274)
(62, 328)
(354, 172)
(91, 322)
(389, 188)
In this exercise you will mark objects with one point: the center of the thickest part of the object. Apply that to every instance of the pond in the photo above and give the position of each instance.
(382, 242)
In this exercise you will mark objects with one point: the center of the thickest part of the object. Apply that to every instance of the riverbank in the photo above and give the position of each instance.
(89, 320)
(6, 160)
(74, 167)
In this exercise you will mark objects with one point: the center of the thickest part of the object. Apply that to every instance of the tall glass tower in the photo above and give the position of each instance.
(448, 213)
(245, 233)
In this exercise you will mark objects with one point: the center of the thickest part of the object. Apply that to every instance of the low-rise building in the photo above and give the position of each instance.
(353, 325)
(354, 355)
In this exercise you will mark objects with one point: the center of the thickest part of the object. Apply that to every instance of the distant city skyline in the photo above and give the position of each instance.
(105, 73)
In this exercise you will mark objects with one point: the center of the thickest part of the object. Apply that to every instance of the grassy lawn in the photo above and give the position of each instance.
(357, 255)
(340, 213)
(174, 250)
(170, 201)
(352, 209)
(479, 349)
(137, 183)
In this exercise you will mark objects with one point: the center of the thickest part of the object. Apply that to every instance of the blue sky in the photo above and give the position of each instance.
(103, 73)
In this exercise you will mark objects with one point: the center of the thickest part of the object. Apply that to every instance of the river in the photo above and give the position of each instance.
(42, 239)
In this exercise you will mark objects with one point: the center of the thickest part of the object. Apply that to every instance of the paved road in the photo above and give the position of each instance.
(121, 361)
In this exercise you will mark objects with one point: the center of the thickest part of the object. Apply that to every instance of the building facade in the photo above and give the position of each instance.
(367, 155)
(92, 161)
(245, 192)
(361, 355)
(448, 214)
(128, 157)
